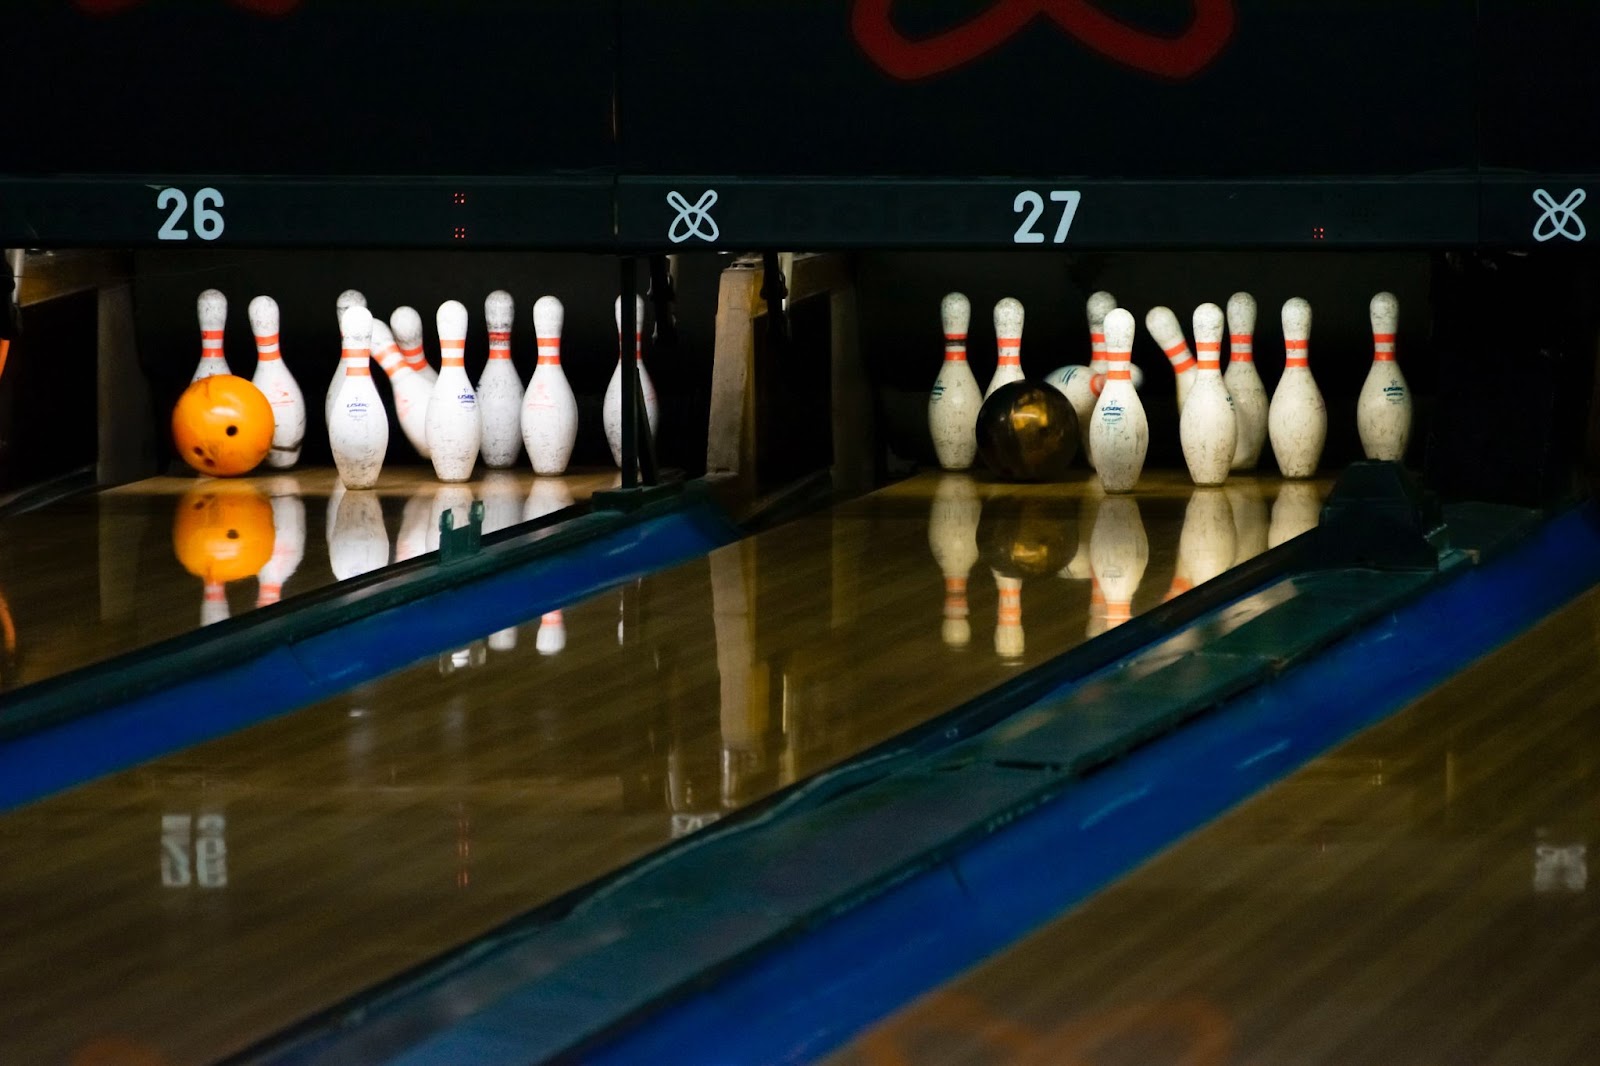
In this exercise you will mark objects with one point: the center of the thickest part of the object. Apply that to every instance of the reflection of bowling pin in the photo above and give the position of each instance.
(456, 499)
(360, 542)
(1097, 610)
(272, 377)
(454, 426)
(212, 307)
(413, 538)
(1207, 427)
(552, 636)
(1168, 333)
(1383, 413)
(1244, 383)
(1119, 551)
(411, 391)
(1009, 642)
(1249, 519)
(358, 431)
(953, 404)
(1296, 510)
(407, 327)
(1119, 431)
(288, 540)
(330, 513)
(953, 537)
(503, 639)
(347, 299)
(502, 500)
(549, 417)
(213, 603)
(1077, 568)
(1008, 341)
(500, 387)
(1206, 546)
(1297, 419)
(547, 495)
(611, 413)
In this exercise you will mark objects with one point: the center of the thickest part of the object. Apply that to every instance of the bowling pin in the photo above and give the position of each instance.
(288, 540)
(953, 404)
(1119, 433)
(1076, 384)
(1008, 340)
(360, 543)
(413, 538)
(611, 411)
(1119, 550)
(1383, 412)
(547, 496)
(411, 392)
(212, 307)
(1009, 640)
(953, 539)
(358, 431)
(1295, 511)
(454, 426)
(1297, 419)
(549, 410)
(1168, 333)
(213, 603)
(552, 635)
(407, 327)
(500, 386)
(1244, 384)
(1207, 426)
(1249, 518)
(1098, 306)
(1208, 542)
(347, 299)
(272, 377)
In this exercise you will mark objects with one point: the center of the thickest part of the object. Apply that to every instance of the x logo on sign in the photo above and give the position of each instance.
(1172, 57)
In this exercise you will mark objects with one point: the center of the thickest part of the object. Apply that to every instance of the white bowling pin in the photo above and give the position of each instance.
(358, 431)
(1008, 341)
(1076, 384)
(272, 377)
(500, 386)
(1295, 511)
(1208, 541)
(347, 299)
(411, 392)
(1244, 384)
(1119, 550)
(1009, 640)
(1168, 333)
(1207, 426)
(546, 496)
(552, 635)
(1096, 308)
(288, 540)
(1383, 413)
(212, 308)
(611, 410)
(1297, 419)
(953, 404)
(454, 426)
(407, 327)
(413, 538)
(360, 543)
(549, 409)
(1119, 433)
(953, 538)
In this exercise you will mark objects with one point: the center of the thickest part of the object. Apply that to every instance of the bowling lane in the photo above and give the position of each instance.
(1418, 895)
(198, 902)
(97, 575)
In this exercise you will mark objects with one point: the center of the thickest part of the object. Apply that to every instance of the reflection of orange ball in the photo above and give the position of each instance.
(222, 425)
(223, 531)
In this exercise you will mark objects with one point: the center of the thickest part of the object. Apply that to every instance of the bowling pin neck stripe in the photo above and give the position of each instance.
(414, 357)
(638, 347)
(1010, 606)
(1383, 347)
(500, 345)
(549, 351)
(267, 346)
(269, 594)
(1295, 353)
(1180, 358)
(452, 352)
(1118, 611)
(955, 347)
(1241, 348)
(1210, 354)
(955, 597)
(1010, 351)
(553, 618)
(210, 345)
(357, 362)
(391, 360)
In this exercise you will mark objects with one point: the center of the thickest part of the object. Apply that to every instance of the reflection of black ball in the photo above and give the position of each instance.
(1027, 432)
(1021, 537)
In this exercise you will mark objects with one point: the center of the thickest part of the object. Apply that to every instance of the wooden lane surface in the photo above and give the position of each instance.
(1420, 895)
(202, 901)
(95, 576)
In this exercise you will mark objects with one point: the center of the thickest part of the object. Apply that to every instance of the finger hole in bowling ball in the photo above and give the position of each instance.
(1027, 432)
(1026, 538)
(232, 431)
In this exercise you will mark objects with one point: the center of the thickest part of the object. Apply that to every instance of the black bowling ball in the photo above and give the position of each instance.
(1027, 432)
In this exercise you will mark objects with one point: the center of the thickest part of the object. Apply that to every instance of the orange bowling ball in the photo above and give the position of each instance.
(222, 426)
(223, 531)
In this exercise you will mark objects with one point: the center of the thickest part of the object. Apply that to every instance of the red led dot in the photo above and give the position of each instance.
(461, 233)
(460, 197)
